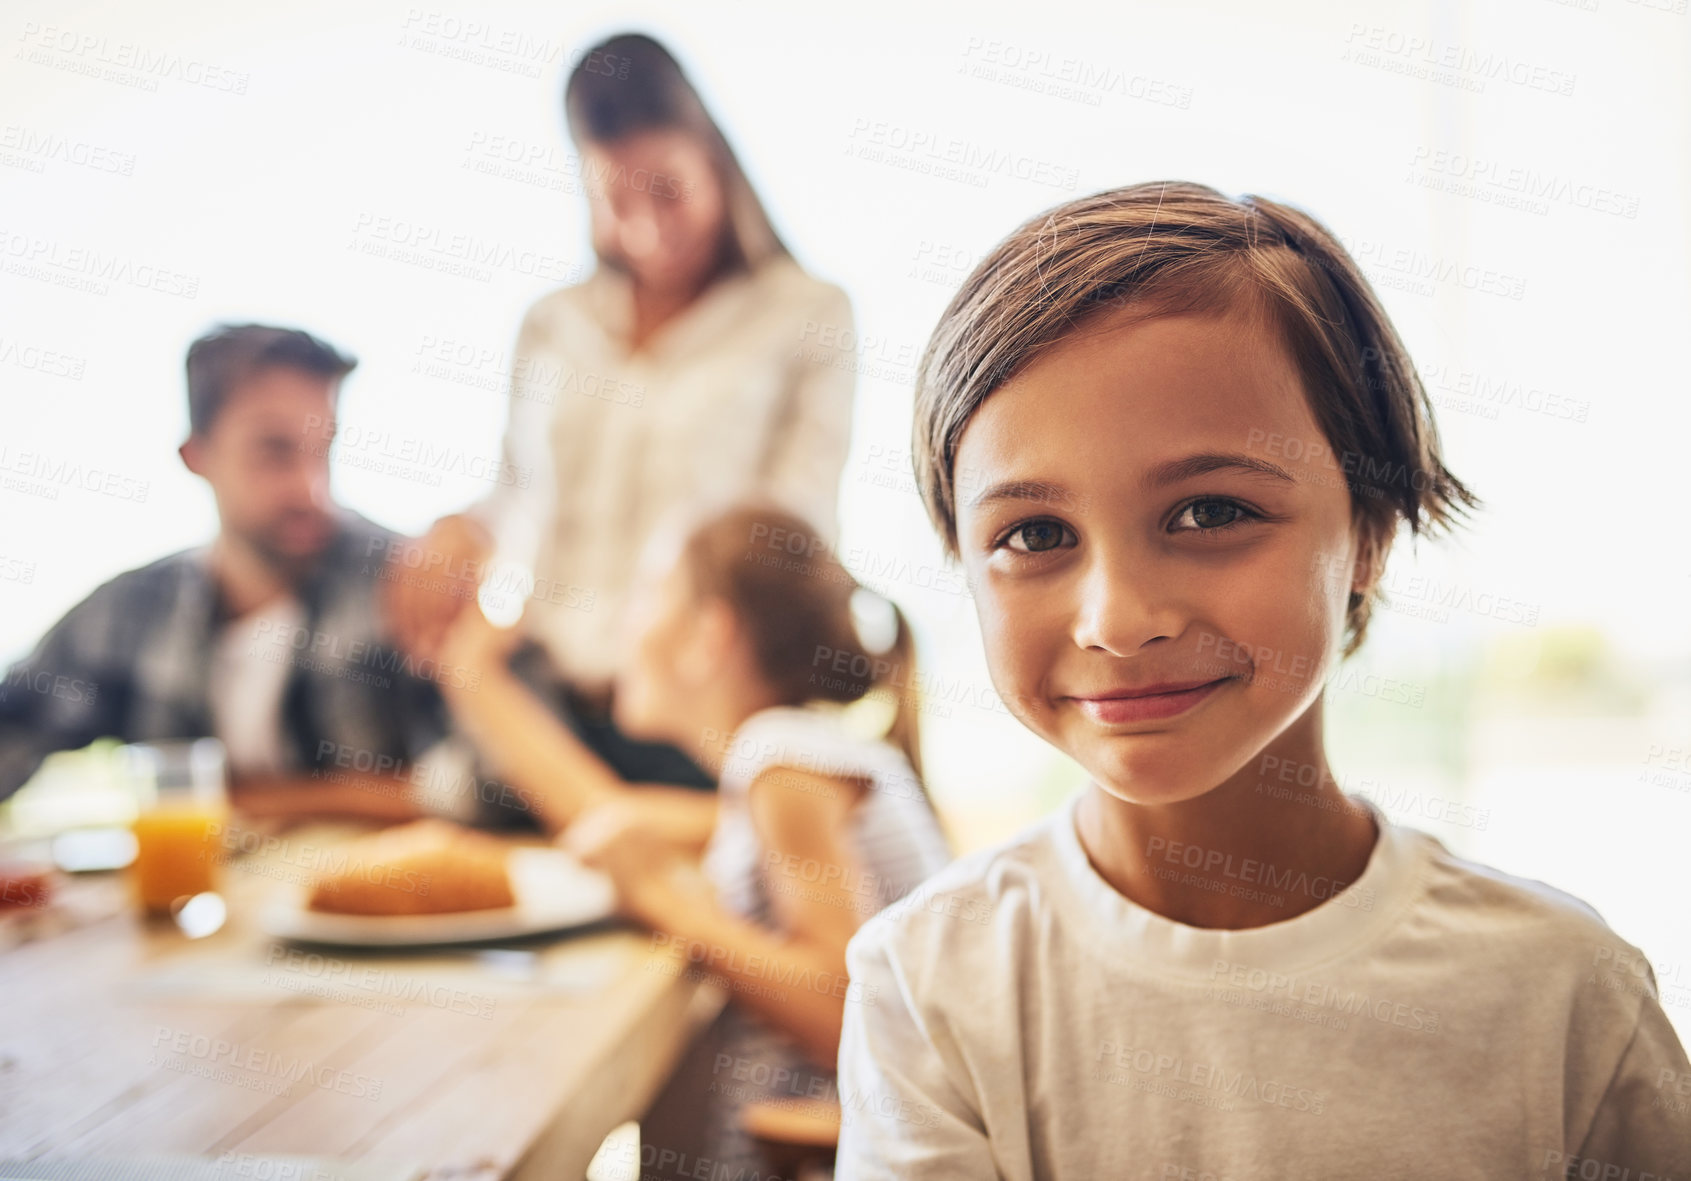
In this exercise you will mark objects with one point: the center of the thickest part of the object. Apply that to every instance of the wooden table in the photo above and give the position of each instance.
(123, 1042)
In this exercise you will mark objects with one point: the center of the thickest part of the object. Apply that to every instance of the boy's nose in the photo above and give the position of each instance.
(1125, 602)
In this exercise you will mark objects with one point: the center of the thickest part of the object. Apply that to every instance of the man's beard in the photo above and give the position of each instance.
(289, 565)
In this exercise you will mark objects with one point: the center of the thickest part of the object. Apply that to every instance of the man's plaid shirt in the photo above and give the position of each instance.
(132, 661)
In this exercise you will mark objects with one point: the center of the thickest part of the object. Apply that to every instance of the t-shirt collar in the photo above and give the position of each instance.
(1123, 930)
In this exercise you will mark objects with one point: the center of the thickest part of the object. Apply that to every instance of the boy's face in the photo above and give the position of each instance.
(1098, 573)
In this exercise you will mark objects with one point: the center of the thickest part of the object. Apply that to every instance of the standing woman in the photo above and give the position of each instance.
(697, 364)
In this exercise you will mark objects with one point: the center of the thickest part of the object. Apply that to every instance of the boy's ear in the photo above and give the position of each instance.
(1370, 561)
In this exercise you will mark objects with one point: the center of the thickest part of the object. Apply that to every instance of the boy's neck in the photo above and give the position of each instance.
(1245, 854)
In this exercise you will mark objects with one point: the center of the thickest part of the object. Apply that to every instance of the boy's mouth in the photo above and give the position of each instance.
(1141, 702)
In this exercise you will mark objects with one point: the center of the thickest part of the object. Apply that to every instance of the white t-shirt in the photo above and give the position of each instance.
(1437, 1018)
(747, 393)
(250, 663)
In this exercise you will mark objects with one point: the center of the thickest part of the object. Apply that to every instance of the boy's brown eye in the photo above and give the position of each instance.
(1037, 536)
(1211, 514)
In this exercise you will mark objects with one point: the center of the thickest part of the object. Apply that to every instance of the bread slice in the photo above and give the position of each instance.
(425, 867)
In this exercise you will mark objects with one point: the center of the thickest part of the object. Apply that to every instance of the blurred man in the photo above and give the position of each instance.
(270, 637)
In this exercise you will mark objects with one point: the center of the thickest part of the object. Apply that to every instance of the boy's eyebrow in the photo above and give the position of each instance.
(1205, 462)
(1042, 490)
(1172, 472)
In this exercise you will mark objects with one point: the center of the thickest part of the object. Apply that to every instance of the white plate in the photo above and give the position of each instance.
(554, 892)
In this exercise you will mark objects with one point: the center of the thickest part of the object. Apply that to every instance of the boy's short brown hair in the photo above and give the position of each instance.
(1172, 247)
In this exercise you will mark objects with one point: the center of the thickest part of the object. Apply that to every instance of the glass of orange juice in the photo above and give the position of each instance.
(182, 804)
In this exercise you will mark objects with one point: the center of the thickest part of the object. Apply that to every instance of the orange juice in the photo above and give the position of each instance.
(176, 852)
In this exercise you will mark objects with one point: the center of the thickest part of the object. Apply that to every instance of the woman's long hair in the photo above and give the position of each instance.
(630, 83)
(803, 612)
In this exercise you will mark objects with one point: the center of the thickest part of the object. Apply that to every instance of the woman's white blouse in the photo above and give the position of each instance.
(748, 392)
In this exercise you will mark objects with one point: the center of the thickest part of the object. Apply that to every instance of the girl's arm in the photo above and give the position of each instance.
(528, 747)
(537, 753)
(796, 981)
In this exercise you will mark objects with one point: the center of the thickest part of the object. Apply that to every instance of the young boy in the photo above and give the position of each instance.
(1170, 436)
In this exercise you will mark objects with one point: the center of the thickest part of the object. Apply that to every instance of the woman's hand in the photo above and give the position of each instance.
(431, 579)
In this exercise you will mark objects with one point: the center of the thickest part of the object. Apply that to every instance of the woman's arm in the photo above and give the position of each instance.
(798, 981)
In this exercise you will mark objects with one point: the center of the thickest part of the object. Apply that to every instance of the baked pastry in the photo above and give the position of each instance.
(424, 867)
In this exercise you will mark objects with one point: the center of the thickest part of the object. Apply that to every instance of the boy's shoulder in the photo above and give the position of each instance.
(1501, 914)
(949, 915)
